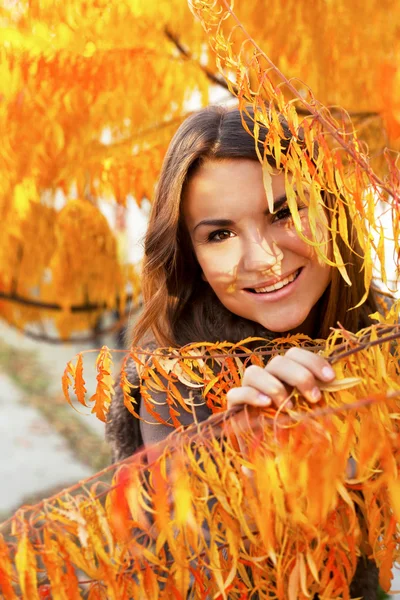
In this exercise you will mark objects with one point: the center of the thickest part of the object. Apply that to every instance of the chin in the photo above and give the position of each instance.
(287, 326)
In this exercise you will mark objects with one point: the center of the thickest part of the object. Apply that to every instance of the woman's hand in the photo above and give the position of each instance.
(262, 387)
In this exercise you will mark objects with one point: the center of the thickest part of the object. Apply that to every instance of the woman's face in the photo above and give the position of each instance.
(254, 261)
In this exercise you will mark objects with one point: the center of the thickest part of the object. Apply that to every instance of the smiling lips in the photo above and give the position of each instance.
(276, 286)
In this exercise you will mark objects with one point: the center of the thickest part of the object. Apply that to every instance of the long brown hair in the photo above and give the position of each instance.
(179, 307)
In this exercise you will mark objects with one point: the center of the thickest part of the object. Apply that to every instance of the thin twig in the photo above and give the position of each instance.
(188, 56)
(365, 346)
(313, 348)
(214, 78)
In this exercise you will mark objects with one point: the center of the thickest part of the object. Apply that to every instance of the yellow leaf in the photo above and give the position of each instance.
(312, 566)
(25, 562)
(303, 576)
(341, 384)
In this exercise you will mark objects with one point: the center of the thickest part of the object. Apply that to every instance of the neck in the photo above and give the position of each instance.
(309, 326)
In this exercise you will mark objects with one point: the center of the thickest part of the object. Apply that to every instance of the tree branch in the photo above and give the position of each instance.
(75, 308)
(216, 79)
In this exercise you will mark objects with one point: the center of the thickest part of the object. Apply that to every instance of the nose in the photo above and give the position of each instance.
(261, 255)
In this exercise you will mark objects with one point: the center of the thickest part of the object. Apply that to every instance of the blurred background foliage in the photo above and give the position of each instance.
(91, 92)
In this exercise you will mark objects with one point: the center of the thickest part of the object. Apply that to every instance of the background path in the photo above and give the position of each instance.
(45, 445)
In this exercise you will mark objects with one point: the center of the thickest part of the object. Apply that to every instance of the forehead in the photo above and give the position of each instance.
(228, 189)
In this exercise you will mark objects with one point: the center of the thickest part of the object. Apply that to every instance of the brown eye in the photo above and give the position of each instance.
(283, 213)
(220, 235)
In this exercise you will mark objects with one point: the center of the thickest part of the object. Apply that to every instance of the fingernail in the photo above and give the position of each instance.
(264, 400)
(314, 395)
(328, 373)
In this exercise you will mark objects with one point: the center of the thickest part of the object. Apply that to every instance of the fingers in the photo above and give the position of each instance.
(298, 368)
(259, 388)
(266, 384)
(247, 395)
(302, 369)
(295, 375)
(315, 363)
(263, 387)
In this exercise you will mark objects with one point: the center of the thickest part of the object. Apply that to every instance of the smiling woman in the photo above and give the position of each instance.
(221, 266)
(254, 261)
(199, 278)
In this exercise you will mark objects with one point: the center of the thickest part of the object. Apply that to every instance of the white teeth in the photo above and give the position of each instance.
(278, 285)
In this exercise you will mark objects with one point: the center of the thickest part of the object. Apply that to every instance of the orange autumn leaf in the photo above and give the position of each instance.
(129, 400)
(105, 383)
(79, 382)
(67, 379)
(71, 582)
(161, 496)
(150, 583)
(61, 573)
(394, 492)
(54, 564)
(6, 572)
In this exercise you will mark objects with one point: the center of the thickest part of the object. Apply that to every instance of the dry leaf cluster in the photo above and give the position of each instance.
(315, 488)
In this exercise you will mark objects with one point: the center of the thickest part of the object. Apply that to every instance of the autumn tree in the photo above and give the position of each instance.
(294, 528)
(74, 71)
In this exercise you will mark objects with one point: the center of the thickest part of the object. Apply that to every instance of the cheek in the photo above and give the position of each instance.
(218, 265)
(289, 238)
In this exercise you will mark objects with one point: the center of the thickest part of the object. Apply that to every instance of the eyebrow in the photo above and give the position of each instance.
(228, 222)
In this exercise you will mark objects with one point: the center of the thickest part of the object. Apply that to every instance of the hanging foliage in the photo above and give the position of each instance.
(287, 517)
(325, 164)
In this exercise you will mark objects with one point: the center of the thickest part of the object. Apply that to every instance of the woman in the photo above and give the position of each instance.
(219, 266)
